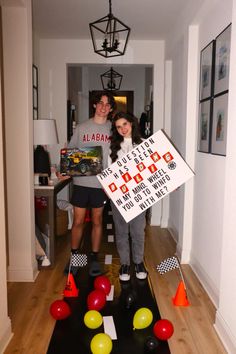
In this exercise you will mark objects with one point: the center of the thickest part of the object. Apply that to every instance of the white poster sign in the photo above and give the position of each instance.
(144, 176)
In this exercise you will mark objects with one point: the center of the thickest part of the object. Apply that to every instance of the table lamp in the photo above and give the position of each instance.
(45, 133)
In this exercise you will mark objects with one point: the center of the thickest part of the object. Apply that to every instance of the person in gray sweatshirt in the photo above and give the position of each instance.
(87, 191)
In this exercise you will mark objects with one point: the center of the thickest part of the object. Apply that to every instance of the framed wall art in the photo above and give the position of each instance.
(219, 125)
(222, 61)
(204, 126)
(206, 71)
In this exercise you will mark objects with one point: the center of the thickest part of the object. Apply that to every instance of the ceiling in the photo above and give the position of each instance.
(148, 19)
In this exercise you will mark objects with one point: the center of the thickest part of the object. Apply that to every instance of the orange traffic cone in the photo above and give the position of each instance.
(180, 298)
(87, 216)
(71, 289)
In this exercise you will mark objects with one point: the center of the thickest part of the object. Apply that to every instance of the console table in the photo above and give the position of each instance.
(50, 193)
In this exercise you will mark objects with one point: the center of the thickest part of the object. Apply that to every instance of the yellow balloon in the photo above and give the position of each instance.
(101, 344)
(93, 319)
(142, 318)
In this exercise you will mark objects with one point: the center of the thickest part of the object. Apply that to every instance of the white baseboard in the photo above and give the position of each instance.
(223, 331)
(225, 334)
(173, 233)
(164, 223)
(22, 275)
(206, 282)
(6, 335)
(209, 287)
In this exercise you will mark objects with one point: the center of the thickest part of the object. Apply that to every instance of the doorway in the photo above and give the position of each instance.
(84, 79)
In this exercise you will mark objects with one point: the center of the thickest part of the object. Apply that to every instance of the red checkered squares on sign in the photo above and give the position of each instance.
(126, 177)
(138, 178)
(124, 188)
(168, 157)
(155, 157)
(152, 168)
(141, 166)
(112, 187)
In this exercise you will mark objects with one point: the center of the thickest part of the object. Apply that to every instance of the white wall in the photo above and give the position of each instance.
(17, 56)
(207, 218)
(210, 244)
(16, 166)
(209, 204)
(178, 122)
(226, 314)
(56, 54)
(5, 323)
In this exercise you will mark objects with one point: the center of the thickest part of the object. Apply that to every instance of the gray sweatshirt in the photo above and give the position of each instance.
(88, 134)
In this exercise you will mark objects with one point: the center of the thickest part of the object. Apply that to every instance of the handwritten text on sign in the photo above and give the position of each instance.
(144, 176)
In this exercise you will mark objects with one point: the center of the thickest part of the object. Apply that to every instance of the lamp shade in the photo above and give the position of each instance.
(45, 132)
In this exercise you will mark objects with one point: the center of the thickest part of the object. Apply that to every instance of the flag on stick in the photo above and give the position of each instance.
(167, 265)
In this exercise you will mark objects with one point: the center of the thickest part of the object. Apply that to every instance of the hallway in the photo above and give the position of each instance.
(193, 326)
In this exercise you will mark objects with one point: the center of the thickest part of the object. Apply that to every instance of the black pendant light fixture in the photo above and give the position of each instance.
(109, 35)
(111, 80)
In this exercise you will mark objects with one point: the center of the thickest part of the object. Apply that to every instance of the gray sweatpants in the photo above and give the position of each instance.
(122, 230)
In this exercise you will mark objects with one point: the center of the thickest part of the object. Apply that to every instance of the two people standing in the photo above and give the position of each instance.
(88, 193)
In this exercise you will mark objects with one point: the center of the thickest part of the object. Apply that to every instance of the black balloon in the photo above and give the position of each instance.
(151, 343)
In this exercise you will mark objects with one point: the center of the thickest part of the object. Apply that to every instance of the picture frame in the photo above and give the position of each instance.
(35, 91)
(219, 125)
(222, 61)
(206, 71)
(204, 125)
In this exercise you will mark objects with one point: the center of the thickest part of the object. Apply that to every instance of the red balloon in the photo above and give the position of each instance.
(102, 283)
(163, 329)
(96, 300)
(60, 310)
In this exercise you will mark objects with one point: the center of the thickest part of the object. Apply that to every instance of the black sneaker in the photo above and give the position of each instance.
(94, 265)
(124, 273)
(140, 271)
(94, 268)
(76, 261)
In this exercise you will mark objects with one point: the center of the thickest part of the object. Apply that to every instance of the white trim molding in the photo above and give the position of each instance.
(225, 334)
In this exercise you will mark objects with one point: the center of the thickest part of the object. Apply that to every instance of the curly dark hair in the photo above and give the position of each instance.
(116, 138)
(97, 98)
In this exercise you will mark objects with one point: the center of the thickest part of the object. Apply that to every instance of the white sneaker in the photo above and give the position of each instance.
(124, 273)
(140, 271)
(45, 262)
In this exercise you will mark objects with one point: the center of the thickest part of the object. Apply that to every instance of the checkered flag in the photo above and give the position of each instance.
(78, 260)
(167, 265)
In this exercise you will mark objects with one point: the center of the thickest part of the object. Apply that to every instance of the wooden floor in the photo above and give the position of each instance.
(32, 324)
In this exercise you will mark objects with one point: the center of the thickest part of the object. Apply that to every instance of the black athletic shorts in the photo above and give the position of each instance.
(87, 197)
